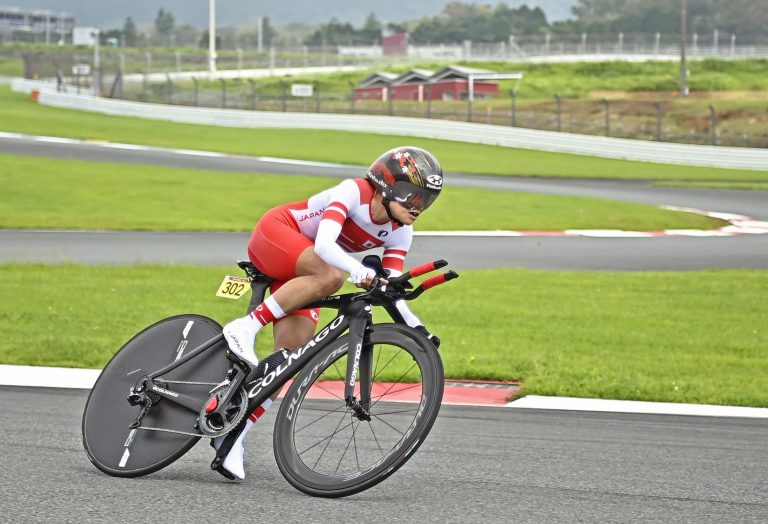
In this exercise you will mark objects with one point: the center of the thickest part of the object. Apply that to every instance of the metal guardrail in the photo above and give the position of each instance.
(606, 147)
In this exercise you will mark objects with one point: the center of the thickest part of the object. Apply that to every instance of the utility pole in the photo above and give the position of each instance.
(96, 84)
(683, 38)
(212, 37)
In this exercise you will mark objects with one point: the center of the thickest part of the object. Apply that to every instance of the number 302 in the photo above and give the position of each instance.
(233, 288)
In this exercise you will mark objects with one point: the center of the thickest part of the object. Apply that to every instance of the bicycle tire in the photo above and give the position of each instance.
(300, 428)
(110, 444)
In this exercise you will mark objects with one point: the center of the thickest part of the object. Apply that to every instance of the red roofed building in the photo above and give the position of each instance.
(450, 83)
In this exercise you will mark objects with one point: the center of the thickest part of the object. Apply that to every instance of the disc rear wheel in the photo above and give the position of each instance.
(115, 448)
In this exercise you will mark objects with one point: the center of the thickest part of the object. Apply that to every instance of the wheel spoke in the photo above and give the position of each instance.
(375, 438)
(396, 383)
(318, 386)
(329, 412)
(330, 438)
(380, 413)
(346, 448)
(388, 424)
(378, 371)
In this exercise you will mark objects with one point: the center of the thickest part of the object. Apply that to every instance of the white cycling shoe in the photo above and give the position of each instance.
(233, 463)
(240, 335)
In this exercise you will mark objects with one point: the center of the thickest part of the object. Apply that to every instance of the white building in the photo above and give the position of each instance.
(36, 26)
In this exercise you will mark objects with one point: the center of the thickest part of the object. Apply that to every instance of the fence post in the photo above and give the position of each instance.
(351, 97)
(317, 97)
(223, 93)
(429, 100)
(469, 107)
(513, 121)
(253, 93)
(194, 81)
(607, 105)
(390, 96)
(168, 89)
(713, 117)
(284, 88)
(658, 121)
(559, 113)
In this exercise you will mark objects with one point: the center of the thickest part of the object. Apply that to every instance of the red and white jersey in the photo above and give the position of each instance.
(349, 204)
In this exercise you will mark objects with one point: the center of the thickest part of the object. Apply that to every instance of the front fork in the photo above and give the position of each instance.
(359, 363)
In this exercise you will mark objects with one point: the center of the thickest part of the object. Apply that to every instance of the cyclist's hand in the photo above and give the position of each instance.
(363, 277)
(432, 338)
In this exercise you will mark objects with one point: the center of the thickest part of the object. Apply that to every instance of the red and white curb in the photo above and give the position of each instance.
(472, 393)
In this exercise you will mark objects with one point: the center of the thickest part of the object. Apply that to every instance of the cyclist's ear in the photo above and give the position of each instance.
(374, 262)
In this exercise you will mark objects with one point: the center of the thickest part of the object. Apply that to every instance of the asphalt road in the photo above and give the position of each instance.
(478, 465)
(676, 253)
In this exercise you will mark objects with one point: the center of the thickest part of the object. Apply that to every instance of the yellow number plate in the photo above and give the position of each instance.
(233, 287)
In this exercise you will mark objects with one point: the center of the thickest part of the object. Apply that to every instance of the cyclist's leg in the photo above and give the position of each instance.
(314, 279)
(279, 250)
(291, 332)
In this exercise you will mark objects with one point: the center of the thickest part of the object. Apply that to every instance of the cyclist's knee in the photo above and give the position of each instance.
(331, 280)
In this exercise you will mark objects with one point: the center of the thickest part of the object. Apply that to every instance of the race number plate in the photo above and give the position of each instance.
(233, 287)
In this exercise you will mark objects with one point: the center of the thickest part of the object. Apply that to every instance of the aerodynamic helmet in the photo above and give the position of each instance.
(407, 175)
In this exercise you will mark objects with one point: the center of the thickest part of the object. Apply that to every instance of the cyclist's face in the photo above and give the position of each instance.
(406, 215)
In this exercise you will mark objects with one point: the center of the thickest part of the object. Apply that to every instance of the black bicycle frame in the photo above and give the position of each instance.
(354, 314)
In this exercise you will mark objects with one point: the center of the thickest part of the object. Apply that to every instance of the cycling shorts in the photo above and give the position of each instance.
(274, 248)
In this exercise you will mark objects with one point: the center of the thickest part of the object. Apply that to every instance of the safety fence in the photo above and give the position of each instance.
(506, 136)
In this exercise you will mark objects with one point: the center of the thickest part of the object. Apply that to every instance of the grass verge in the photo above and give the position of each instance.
(680, 337)
(18, 114)
(38, 193)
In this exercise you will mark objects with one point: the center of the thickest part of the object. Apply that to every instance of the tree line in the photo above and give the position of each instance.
(484, 23)
(479, 23)
(166, 32)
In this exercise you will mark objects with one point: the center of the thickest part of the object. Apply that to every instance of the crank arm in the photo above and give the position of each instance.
(232, 389)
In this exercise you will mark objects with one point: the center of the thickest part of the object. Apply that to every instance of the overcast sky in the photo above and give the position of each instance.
(106, 14)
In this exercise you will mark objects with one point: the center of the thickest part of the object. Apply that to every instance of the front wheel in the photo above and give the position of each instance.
(324, 448)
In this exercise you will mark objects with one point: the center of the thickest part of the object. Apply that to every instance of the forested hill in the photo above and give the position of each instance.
(106, 14)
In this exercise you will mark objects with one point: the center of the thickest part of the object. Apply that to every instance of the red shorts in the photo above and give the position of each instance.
(274, 248)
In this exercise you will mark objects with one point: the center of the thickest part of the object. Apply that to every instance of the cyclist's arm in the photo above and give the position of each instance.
(393, 260)
(328, 250)
(345, 196)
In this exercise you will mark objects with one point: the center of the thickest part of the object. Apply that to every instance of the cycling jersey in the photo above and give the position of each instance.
(336, 222)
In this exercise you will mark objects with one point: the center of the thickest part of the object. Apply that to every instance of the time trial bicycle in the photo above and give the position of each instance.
(176, 382)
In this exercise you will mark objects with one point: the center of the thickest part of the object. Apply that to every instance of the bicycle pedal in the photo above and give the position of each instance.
(220, 469)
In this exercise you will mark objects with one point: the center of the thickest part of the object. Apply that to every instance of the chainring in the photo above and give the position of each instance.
(211, 425)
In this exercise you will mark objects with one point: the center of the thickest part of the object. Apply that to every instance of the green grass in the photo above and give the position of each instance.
(17, 114)
(696, 337)
(38, 193)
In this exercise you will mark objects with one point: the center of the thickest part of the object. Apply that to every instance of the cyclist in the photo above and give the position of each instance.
(304, 246)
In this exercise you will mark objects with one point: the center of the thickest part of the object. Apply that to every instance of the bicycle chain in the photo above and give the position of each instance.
(175, 431)
(189, 383)
(188, 433)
